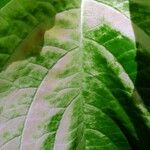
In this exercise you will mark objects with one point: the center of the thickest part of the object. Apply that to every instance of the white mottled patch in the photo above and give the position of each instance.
(40, 109)
(96, 14)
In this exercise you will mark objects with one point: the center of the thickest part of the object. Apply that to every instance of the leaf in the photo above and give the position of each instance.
(24, 76)
(71, 75)
(3, 3)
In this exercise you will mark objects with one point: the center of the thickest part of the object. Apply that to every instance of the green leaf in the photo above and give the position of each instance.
(3, 3)
(71, 75)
